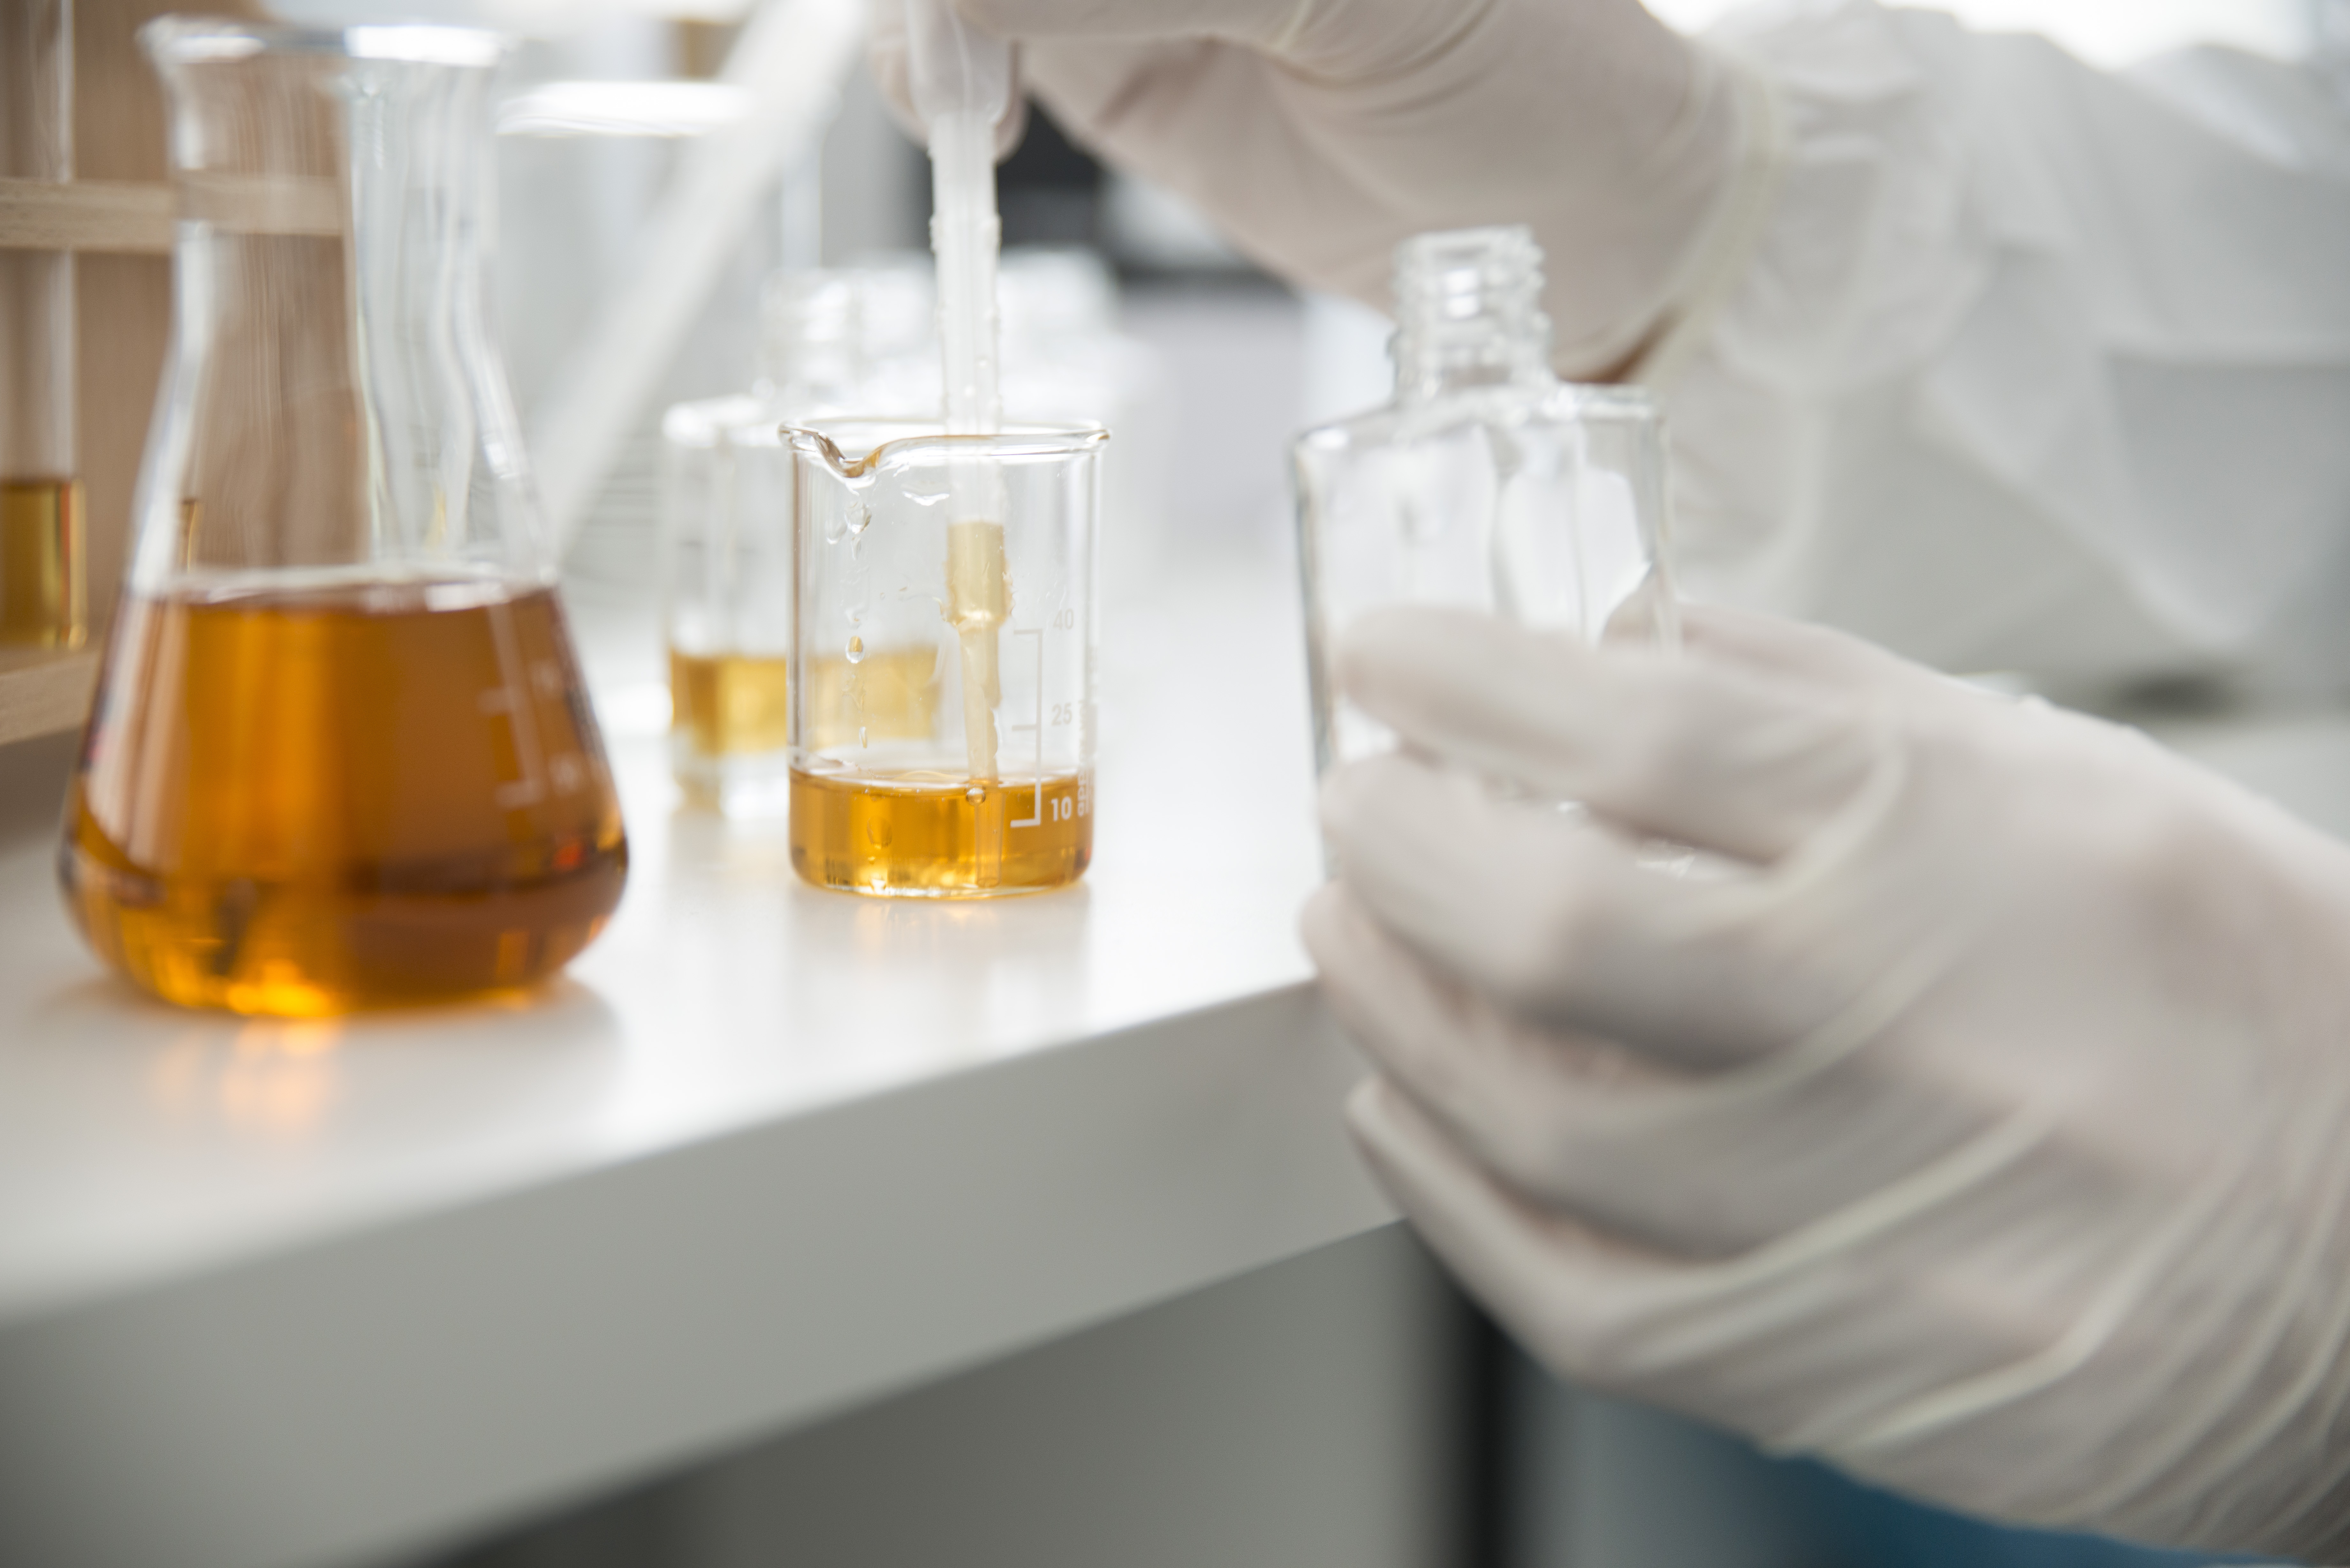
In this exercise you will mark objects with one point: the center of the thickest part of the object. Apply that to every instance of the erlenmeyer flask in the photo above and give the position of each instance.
(341, 755)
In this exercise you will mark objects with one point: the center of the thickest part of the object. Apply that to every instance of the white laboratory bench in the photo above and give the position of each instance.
(278, 1296)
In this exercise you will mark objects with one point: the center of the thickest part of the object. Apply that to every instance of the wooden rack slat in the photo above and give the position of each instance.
(42, 694)
(86, 215)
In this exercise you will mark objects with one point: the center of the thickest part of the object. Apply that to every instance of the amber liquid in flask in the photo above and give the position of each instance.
(304, 802)
(43, 600)
(930, 831)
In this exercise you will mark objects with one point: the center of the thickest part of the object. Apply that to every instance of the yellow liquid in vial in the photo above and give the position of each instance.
(307, 802)
(931, 833)
(729, 704)
(44, 595)
(735, 704)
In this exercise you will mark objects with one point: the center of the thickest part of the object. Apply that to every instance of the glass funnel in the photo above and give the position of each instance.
(341, 755)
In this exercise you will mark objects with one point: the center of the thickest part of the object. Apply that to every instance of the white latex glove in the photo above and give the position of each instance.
(1318, 134)
(1978, 1119)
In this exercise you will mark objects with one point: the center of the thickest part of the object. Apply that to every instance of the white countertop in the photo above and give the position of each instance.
(302, 1293)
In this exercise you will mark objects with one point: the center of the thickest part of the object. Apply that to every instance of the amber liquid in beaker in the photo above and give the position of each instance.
(922, 832)
(309, 801)
(44, 602)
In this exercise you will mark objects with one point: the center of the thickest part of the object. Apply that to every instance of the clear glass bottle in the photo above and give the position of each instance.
(44, 596)
(341, 755)
(1486, 483)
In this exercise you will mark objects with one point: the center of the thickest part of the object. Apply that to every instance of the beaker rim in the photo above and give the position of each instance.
(199, 40)
(898, 436)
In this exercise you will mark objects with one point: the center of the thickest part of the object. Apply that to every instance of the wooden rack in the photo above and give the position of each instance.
(117, 216)
(112, 215)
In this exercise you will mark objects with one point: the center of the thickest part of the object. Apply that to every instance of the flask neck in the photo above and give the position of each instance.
(1469, 313)
(337, 398)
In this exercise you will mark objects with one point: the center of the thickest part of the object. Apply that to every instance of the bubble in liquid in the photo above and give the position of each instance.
(856, 650)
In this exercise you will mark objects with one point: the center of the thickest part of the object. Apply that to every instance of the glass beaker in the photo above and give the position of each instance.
(1487, 483)
(942, 705)
(341, 755)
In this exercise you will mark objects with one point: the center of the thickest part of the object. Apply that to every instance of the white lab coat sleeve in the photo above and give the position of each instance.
(2030, 366)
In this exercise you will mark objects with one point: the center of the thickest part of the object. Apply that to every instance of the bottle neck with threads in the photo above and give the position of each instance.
(1469, 313)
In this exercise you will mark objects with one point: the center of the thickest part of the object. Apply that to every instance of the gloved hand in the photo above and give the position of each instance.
(1320, 133)
(1976, 1114)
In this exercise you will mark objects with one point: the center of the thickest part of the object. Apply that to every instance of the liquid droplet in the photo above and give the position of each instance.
(832, 527)
(861, 734)
(974, 795)
(856, 650)
(859, 515)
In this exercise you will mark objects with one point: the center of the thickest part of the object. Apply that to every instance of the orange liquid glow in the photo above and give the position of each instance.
(935, 834)
(309, 801)
(43, 596)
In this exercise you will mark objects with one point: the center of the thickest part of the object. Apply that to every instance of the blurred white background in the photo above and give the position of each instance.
(2106, 32)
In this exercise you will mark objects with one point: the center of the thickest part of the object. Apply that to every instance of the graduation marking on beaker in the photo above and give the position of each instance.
(1035, 727)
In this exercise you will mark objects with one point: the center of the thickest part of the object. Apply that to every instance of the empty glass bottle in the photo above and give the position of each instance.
(341, 755)
(1486, 484)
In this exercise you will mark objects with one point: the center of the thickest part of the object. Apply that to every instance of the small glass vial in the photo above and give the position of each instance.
(727, 544)
(1487, 483)
(44, 595)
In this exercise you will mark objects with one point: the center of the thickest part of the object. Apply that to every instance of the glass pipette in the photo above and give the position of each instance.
(961, 85)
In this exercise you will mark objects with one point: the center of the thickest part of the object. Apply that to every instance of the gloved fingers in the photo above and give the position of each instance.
(1816, 654)
(1260, 23)
(1691, 1165)
(1562, 1287)
(1502, 1088)
(1795, 1349)
(1638, 621)
(885, 57)
(1210, 122)
(1694, 750)
(1549, 1111)
(1553, 914)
